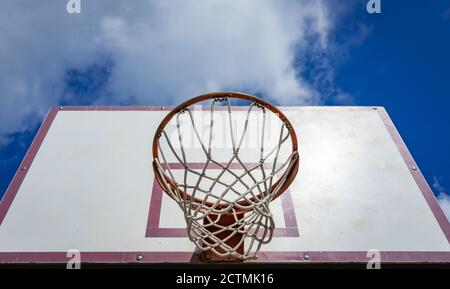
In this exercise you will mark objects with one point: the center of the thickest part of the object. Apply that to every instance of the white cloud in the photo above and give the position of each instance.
(162, 51)
(442, 196)
(444, 202)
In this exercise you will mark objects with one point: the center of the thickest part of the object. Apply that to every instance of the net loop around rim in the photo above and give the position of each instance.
(248, 214)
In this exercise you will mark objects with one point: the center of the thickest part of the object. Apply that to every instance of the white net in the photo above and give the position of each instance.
(244, 156)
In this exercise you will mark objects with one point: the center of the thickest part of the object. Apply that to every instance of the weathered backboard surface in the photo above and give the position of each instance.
(87, 183)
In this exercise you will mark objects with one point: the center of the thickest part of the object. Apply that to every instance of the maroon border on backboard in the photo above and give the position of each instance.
(21, 172)
(415, 172)
(186, 257)
(154, 213)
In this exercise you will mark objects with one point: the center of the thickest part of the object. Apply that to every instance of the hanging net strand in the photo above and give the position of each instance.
(226, 212)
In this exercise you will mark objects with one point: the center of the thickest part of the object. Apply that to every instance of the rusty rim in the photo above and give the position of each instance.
(291, 169)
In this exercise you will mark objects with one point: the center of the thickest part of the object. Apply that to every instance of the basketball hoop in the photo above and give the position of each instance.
(226, 201)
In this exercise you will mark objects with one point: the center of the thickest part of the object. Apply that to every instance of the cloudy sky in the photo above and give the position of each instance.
(290, 52)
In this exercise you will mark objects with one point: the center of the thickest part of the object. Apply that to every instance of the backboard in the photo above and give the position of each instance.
(87, 183)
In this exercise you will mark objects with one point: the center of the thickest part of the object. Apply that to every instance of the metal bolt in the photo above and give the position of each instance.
(306, 257)
(24, 168)
(61, 107)
(414, 168)
(374, 108)
(139, 257)
(163, 108)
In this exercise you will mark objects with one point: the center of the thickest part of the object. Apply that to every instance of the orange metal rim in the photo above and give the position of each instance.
(289, 174)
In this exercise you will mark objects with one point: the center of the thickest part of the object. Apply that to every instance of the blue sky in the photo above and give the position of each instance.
(403, 65)
(296, 52)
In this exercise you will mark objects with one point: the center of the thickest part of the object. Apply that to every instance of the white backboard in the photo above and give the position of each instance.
(87, 183)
